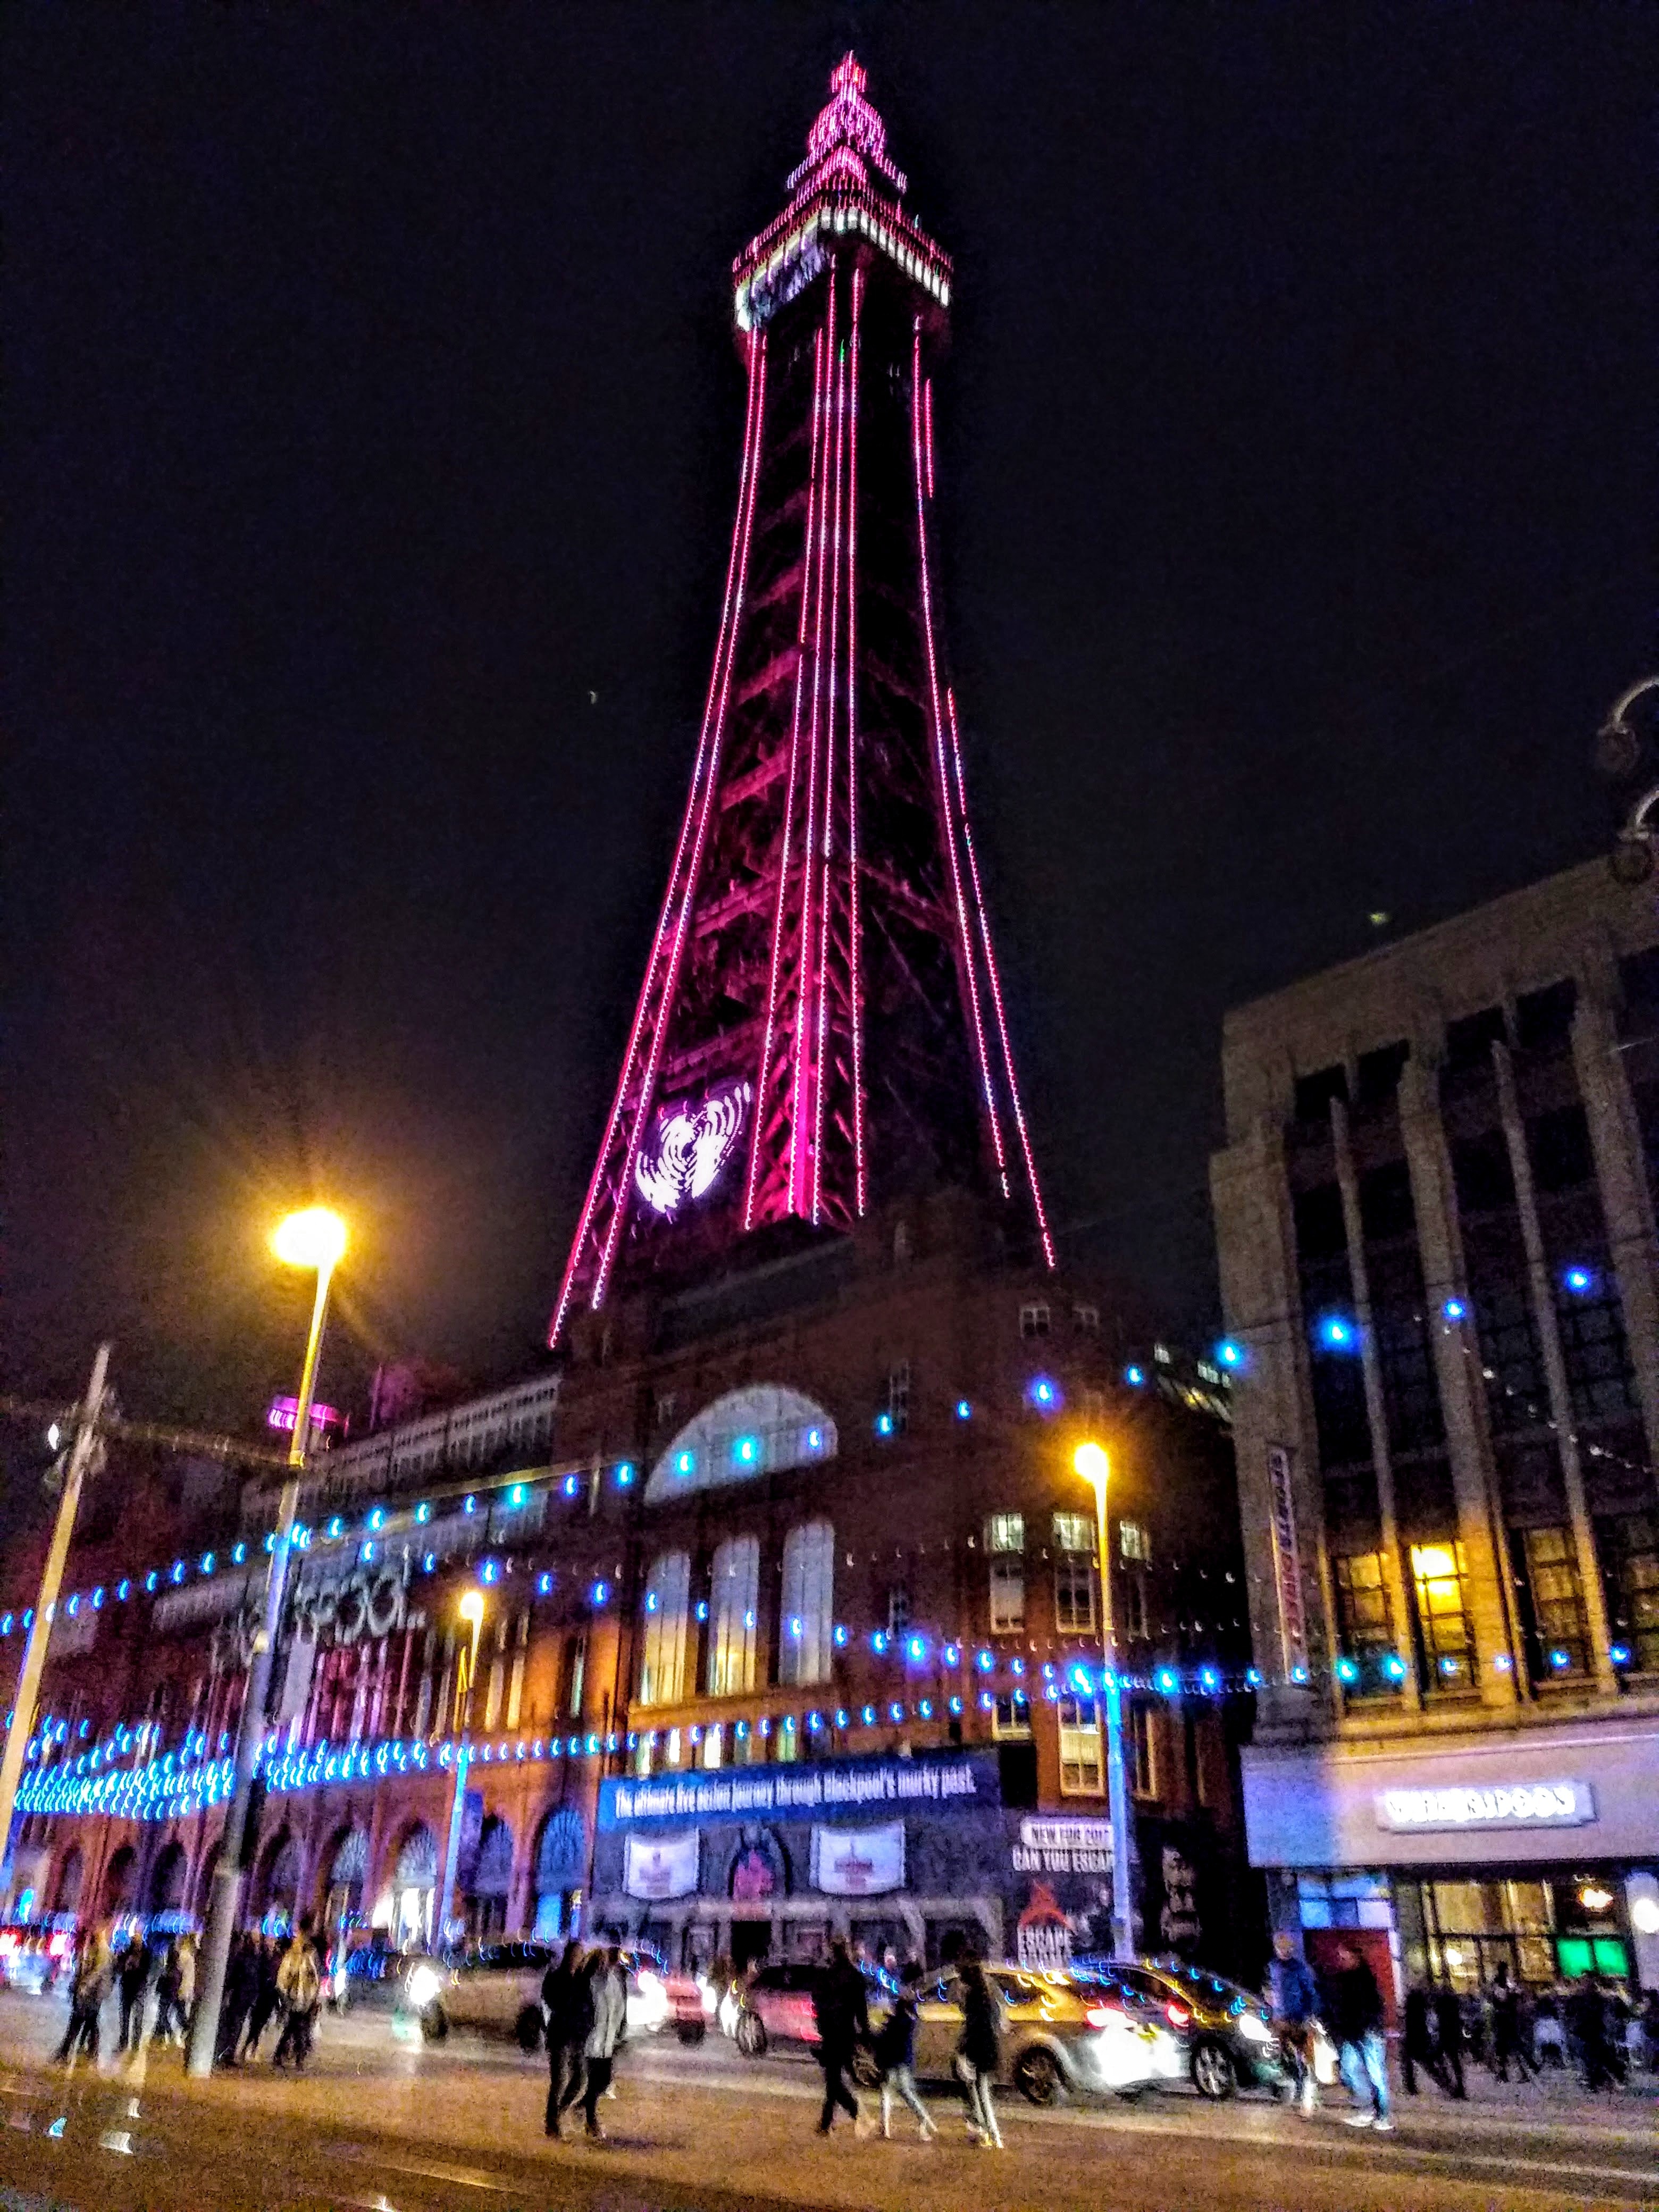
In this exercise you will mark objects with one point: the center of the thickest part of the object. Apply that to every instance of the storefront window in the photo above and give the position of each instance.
(1445, 1639)
(1547, 1564)
(1539, 1930)
(1081, 1772)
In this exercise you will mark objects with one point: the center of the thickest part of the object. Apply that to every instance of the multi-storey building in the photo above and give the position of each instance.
(1435, 1220)
(783, 1608)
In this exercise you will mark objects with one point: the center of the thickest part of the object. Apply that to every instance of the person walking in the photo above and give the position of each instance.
(1449, 2025)
(300, 1985)
(1353, 2013)
(241, 1987)
(608, 2002)
(1417, 2045)
(979, 2052)
(166, 2026)
(1587, 2017)
(896, 2055)
(133, 1981)
(567, 1997)
(1504, 2000)
(266, 1998)
(95, 1969)
(843, 2015)
(1293, 1999)
(187, 2000)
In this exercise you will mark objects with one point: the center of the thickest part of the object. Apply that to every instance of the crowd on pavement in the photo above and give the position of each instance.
(155, 1984)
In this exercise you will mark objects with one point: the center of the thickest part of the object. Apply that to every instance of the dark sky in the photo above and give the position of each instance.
(372, 404)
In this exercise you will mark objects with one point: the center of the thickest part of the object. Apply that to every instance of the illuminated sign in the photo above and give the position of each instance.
(689, 1148)
(1287, 1565)
(283, 1412)
(1466, 1805)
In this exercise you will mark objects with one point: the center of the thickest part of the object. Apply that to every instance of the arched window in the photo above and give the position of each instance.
(806, 1628)
(664, 1630)
(733, 1615)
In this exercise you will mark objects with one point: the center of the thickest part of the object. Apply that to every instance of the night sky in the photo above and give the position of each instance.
(370, 461)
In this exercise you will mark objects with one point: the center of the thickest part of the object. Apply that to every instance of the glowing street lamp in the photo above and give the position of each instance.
(1091, 1462)
(471, 1610)
(314, 1239)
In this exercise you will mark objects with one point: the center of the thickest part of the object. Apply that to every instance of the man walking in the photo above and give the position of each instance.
(1505, 2002)
(133, 1982)
(300, 1985)
(1353, 2013)
(1294, 1996)
(1448, 2024)
(94, 1972)
(1417, 2047)
(842, 2016)
(979, 2053)
(567, 1999)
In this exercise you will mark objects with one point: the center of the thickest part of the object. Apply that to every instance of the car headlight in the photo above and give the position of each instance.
(1254, 2029)
(423, 1986)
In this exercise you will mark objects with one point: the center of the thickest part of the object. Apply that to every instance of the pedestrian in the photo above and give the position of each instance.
(896, 2055)
(95, 1969)
(1353, 2013)
(266, 1997)
(166, 1998)
(241, 1987)
(1448, 2023)
(979, 2051)
(134, 1980)
(1294, 2002)
(1505, 2000)
(1417, 2043)
(186, 1999)
(607, 2002)
(840, 2007)
(566, 1999)
(1587, 2017)
(300, 1985)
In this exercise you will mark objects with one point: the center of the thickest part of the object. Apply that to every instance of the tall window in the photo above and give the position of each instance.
(1005, 1539)
(712, 1749)
(1033, 1321)
(1363, 1625)
(1446, 1638)
(1559, 1641)
(806, 1632)
(1081, 1772)
(1074, 1580)
(664, 1629)
(1630, 1552)
(1143, 1753)
(733, 1601)
(898, 1397)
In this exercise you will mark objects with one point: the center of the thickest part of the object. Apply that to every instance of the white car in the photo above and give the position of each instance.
(494, 1988)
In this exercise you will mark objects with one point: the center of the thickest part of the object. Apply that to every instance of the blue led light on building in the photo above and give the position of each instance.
(599, 1593)
(625, 1474)
(841, 1634)
(1135, 1376)
(515, 1495)
(544, 1585)
(964, 1411)
(746, 1450)
(573, 1483)
(1394, 1668)
(686, 1463)
(917, 1648)
(1580, 1281)
(883, 1424)
(1619, 1654)
(1560, 1659)
(869, 1716)
(952, 1655)
(423, 1514)
(1045, 1394)
(1455, 1310)
(469, 1504)
(1347, 1671)
(984, 1661)
(1337, 1333)
(1230, 1352)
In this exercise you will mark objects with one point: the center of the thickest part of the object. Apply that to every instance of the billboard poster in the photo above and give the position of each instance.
(858, 1861)
(661, 1866)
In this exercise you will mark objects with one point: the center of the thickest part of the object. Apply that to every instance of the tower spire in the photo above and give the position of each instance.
(822, 1022)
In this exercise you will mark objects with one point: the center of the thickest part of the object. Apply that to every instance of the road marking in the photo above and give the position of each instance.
(464, 2177)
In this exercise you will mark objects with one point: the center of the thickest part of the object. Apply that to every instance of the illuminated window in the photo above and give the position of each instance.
(1364, 1626)
(644, 1752)
(1010, 1718)
(1007, 1595)
(1446, 1637)
(1033, 1321)
(1074, 1591)
(664, 1627)
(733, 1615)
(711, 1748)
(1074, 1532)
(787, 1741)
(1081, 1773)
(1005, 1532)
(1143, 1752)
(1132, 1542)
(806, 1624)
(1560, 1643)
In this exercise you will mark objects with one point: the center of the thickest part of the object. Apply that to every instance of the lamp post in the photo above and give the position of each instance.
(472, 1612)
(1091, 1462)
(314, 1239)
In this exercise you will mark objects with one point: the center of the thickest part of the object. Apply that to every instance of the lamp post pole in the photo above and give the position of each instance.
(321, 1250)
(34, 1654)
(1093, 1465)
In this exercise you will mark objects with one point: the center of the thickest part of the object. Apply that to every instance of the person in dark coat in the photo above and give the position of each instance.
(1587, 2018)
(979, 2051)
(842, 2014)
(241, 1988)
(1353, 2013)
(134, 1980)
(1449, 2020)
(568, 2009)
(266, 1998)
(1505, 2002)
(169, 2016)
(896, 2055)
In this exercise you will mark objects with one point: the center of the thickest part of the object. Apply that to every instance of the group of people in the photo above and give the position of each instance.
(584, 2010)
(263, 1977)
(841, 2012)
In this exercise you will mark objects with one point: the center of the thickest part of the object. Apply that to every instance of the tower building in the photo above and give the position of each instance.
(821, 1023)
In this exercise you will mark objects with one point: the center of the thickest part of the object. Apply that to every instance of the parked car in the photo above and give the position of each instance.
(1224, 2032)
(494, 1988)
(1063, 2034)
(372, 1978)
(35, 1958)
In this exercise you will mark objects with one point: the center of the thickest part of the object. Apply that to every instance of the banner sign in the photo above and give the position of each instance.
(661, 1866)
(1063, 1847)
(1522, 1805)
(858, 1861)
(929, 1782)
(1287, 1564)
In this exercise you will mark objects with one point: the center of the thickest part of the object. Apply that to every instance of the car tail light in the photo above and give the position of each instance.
(1177, 2016)
(1099, 2014)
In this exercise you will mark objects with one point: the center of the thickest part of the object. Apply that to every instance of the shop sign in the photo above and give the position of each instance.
(1063, 1847)
(664, 1866)
(1462, 1805)
(957, 1780)
(858, 1861)
(1287, 1564)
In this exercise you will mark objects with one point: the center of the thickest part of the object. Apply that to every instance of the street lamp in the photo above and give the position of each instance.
(315, 1239)
(1091, 1462)
(472, 1610)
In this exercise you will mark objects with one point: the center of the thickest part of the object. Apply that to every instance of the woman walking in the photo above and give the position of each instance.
(979, 2053)
(609, 2004)
(896, 2055)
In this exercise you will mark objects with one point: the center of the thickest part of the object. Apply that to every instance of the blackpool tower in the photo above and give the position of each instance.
(821, 1024)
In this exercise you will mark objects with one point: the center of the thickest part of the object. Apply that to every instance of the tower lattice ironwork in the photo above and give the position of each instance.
(822, 1020)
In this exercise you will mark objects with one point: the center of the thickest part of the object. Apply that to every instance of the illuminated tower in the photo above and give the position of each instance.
(821, 1023)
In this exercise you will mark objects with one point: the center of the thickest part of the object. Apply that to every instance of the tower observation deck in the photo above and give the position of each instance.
(821, 1024)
